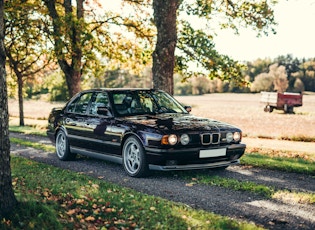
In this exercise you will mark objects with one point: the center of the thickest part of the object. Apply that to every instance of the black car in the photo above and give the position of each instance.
(142, 129)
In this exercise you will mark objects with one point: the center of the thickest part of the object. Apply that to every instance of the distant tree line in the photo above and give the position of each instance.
(284, 73)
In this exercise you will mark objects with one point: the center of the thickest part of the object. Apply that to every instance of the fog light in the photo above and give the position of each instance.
(184, 139)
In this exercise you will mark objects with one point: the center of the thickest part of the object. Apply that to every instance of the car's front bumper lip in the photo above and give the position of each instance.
(194, 166)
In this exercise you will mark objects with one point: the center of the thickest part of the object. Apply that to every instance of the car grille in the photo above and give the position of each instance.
(210, 138)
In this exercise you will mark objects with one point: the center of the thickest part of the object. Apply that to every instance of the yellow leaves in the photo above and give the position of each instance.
(79, 201)
(190, 184)
(90, 218)
(45, 194)
(71, 212)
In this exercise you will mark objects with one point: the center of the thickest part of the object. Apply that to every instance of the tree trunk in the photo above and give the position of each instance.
(7, 198)
(20, 95)
(71, 67)
(164, 54)
(73, 79)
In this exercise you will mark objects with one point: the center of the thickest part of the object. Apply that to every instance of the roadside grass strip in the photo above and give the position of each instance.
(286, 164)
(40, 146)
(258, 189)
(27, 129)
(54, 198)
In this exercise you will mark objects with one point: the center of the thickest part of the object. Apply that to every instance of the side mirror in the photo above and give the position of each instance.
(187, 108)
(103, 111)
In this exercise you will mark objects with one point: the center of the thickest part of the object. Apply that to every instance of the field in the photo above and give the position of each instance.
(243, 110)
(246, 111)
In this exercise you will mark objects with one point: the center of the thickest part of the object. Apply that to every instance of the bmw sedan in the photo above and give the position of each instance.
(142, 129)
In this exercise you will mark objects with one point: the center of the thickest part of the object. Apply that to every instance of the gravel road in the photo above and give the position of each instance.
(268, 213)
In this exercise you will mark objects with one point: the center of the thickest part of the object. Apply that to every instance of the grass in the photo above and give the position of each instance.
(286, 164)
(32, 144)
(27, 129)
(53, 198)
(268, 192)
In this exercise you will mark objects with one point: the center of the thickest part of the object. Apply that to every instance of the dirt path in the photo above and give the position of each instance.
(269, 213)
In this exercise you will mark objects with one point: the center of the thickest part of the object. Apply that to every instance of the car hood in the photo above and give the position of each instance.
(180, 122)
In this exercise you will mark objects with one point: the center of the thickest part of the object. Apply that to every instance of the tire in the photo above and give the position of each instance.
(291, 109)
(134, 160)
(268, 108)
(62, 147)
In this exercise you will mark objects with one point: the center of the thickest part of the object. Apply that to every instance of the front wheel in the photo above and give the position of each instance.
(62, 147)
(134, 160)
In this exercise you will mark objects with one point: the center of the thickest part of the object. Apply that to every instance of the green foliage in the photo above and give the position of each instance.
(198, 47)
(25, 41)
(56, 86)
(258, 15)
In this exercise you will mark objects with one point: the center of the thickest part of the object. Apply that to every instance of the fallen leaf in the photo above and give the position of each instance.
(71, 212)
(90, 218)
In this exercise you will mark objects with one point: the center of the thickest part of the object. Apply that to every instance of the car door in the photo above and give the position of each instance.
(75, 121)
(98, 125)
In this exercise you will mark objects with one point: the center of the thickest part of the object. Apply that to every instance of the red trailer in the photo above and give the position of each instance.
(281, 101)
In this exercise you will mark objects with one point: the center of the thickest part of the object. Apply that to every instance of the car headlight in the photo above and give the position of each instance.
(172, 139)
(184, 139)
(229, 137)
(169, 140)
(237, 136)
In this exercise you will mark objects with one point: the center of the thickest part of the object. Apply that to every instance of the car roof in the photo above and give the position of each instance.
(118, 89)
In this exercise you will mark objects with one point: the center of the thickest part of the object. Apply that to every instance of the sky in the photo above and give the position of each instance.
(295, 35)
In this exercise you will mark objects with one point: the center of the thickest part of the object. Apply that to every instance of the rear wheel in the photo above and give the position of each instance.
(62, 147)
(134, 160)
(268, 108)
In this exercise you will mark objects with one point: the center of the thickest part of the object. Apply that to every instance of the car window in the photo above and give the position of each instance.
(144, 102)
(122, 102)
(168, 104)
(98, 100)
(80, 104)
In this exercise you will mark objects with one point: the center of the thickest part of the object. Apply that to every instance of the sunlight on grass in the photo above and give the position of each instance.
(287, 164)
(53, 198)
(31, 144)
(295, 197)
(40, 131)
(200, 220)
(259, 189)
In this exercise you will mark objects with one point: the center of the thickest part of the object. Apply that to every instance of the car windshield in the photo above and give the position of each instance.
(140, 102)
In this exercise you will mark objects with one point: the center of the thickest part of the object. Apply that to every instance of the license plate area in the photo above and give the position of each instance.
(212, 153)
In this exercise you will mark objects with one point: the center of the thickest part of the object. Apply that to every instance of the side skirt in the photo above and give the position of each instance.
(101, 156)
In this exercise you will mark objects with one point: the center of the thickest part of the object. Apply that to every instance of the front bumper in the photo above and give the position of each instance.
(190, 158)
